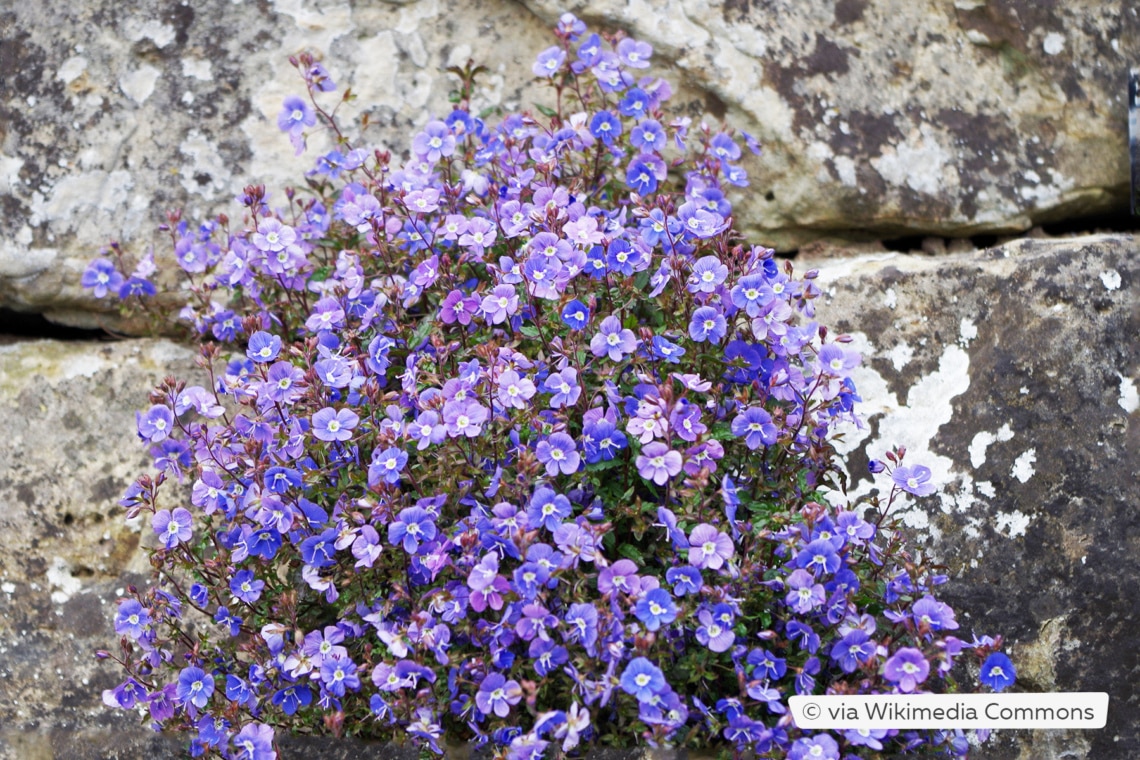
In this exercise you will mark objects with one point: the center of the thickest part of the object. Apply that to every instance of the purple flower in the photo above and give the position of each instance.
(707, 324)
(935, 615)
(101, 276)
(514, 391)
(131, 619)
(549, 61)
(559, 453)
(714, 633)
(173, 527)
(667, 350)
(708, 273)
(386, 466)
(427, 429)
(547, 508)
(412, 526)
(620, 576)
(642, 679)
(464, 418)
(756, 427)
(435, 142)
(601, 440)
(685, 580)
(854, 648)
(254, 742)
(496, 695)
(605, 126)
(648, 136)
(634, 54)
(156, 424)
(998, 672)
(613, 340)
(194, 687)
(332, 425)
(245, 587)
(657, 462)
(640, 176)
(500, 304)
(295, 115)
(818, 747)
(263, 347)
(907, 668)
(819, 557)
(709, 548)
(914, 480)
(655, 609)
(564, 387)
(338, 673)
(804, 594)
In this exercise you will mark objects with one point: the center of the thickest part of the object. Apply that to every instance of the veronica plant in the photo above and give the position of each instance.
(515, 441)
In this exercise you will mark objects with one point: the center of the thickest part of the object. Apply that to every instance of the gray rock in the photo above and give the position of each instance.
(895, 117)
(116, 113)
(1012, 373)
(880, 117)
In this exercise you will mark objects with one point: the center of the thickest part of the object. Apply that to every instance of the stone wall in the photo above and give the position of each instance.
(879, 117)
(1011, 371)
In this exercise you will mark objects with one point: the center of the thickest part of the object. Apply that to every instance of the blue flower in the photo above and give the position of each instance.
(642, 679)
(576, 314)
(655, 609)
(998, 672)
(412, 526)
(605, 126)
(194, 687)
(245, 587)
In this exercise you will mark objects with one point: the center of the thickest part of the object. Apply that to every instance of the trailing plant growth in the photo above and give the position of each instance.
(515, 441)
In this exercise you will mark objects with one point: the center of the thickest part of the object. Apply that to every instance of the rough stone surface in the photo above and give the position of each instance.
(880, 117)
(1012, 373)
(898, 117)
(118, 112)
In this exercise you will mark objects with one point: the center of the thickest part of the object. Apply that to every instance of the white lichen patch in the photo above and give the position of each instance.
(1111, 279)
(204, 162)
(65, 584)
(890, 298)
(1012, 523)
(917, 163)
(72, 69)
(8, 588)
(157, 32)
(80, 191)
(1054, 43)
(913, 424)
(197, 68)
(1129, 397)
(10, 173)
(967, 331)
(845, 169)
(901, 355)
(138, 85)
(982, 441)
(1023, 466)
(986, 488)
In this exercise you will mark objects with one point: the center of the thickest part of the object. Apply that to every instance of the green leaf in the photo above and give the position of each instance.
(629, 551)
(549, 113)
(422, 330)
(529, 331)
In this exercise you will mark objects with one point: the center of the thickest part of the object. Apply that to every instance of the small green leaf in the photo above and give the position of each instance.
(549, 113)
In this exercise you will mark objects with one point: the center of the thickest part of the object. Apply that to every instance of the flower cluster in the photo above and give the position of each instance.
(515, 441)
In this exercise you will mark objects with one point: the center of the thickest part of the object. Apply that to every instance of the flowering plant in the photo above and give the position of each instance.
(515, 442)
